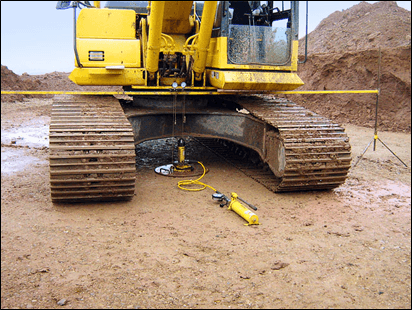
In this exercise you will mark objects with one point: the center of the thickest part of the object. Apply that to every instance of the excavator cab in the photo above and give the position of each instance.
(259, 33)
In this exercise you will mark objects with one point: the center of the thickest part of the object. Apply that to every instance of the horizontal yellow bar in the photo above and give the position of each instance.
(197, 92)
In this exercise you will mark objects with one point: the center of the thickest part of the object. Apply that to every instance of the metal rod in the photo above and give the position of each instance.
(364, 151)
(376, 122)
(249, 204)
(306, 36)
(392, 152)
(377, 99)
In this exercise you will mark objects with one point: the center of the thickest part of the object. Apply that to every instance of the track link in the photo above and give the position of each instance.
(311, 152)
(92, 156)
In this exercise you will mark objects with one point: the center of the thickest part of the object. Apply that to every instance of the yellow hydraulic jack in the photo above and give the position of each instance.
(182, 165)
(237, 207)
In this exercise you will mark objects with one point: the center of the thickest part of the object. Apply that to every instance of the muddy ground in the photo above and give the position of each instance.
(168, 248)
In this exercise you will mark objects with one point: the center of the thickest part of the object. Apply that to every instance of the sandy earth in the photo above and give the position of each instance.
(168, 248)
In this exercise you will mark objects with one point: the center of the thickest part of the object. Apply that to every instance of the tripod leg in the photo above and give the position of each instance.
(364, 151)
(392, 152)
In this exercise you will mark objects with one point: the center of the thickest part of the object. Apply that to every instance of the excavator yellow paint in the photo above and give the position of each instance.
(244, 80)
(103, 76)
(241, 210)
(176, 18)
(116, 52)
(106, 24)
(111, 33)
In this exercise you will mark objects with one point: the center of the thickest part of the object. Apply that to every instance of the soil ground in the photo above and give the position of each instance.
(168, 248)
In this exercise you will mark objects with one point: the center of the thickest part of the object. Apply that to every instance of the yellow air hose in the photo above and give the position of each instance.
(183, 183)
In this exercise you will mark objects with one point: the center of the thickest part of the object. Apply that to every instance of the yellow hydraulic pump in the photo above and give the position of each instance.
(244, 212)
(237, 207)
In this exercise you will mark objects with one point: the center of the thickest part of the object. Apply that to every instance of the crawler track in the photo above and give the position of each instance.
(92, 155)
(312, 153)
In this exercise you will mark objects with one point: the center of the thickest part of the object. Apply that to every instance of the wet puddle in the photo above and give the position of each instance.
(31, 134)
(14, 160)
(390, 193)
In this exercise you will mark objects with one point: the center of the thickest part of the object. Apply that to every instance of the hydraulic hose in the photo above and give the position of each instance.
(183, 183)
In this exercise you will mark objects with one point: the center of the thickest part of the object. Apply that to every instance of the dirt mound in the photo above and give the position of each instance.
(60, 81)
(12, 81)
(359, 70)
(343, 54)
(54, 81)
(363, 26)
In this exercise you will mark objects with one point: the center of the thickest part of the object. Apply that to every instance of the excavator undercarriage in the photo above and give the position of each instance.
(92, 143)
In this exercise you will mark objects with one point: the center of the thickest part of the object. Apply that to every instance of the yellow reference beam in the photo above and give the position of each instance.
(195, 91)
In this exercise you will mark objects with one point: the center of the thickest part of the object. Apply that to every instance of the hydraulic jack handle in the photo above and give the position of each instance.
(249, 204)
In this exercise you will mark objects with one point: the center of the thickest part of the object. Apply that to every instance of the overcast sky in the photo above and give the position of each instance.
(36, 38)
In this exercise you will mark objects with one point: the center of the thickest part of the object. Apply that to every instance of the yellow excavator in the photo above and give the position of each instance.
(194, 69)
